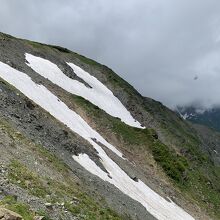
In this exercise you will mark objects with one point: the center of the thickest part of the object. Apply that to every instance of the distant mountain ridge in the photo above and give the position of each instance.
(209, 118)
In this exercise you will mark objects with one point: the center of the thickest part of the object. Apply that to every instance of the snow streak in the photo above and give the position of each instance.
(98, 94)
(154, 203)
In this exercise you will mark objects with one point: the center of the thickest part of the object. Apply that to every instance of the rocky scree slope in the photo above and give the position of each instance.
(45, 161)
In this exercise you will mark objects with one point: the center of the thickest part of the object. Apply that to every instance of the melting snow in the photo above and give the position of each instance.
(155, 204)
(44, 98)
(99, 94)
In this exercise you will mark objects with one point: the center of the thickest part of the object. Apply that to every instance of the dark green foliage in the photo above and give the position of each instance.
(173, 164)
(191, 169)
(61, 49)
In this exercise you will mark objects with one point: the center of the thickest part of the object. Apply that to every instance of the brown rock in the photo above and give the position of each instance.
(6, 214)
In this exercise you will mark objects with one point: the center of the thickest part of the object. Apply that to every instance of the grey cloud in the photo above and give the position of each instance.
(158, 46)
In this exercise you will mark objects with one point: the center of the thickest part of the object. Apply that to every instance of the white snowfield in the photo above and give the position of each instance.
(44, 98)
(99, 94)
(154, 203)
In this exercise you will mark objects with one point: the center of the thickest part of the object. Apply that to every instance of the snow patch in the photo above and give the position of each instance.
(154, 203)
(185, 116)
(159, 207)
(99, 94)
(44, 98)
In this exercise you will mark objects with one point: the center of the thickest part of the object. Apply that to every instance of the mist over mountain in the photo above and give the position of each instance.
(209, 117)
(168, 51)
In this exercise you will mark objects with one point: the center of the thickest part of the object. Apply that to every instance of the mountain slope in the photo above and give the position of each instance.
(95, 120)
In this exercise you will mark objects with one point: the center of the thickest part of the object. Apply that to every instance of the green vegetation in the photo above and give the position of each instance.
(203, 186)
(38, 149)
(61, 49)
(120, 84)
(188, 167)
(6, 36)
(35, 44)
(22, 209)
(20, 175)
(190, 170)
(112, 77)
(138, 140)
(50, 158)
(82, 206)
(131, 135)
(43, 213)
(201, 179)
(86, 60)
(83, 59)
(93, 211)
(53, 191)
(173, 164)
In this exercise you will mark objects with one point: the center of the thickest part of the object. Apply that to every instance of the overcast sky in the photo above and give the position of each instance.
(167, 49)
